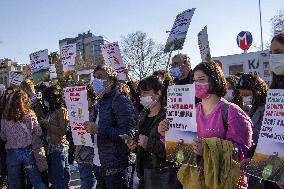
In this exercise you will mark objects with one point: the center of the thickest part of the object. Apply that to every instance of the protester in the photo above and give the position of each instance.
(18, 123)
(36, 98)
(181, 69)
(114, 115)
(252, 85)
(150, 150)
(56, 124)
(38, 146)
(135, 97)
(235, 133)
(277, 47)
(233, 94)
(4, 101)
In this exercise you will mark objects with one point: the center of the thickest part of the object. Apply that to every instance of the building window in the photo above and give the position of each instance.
(234, 69)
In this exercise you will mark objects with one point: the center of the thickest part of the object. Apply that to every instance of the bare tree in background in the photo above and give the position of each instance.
(142, 55)
(277, 25)
(88, 62)
(278, 22)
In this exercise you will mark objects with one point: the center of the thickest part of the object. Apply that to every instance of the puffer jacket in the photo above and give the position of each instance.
(116, 117)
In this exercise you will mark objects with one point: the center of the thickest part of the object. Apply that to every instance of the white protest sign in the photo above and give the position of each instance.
(52, 71)
(179, 30)
(16, 78)
(271, 137)
(112, 57)
(68, 56)
(181, 114)
(77, 106)
(273, 120)
(181, 111)
(254, 65)
(203, 43)
(39, 61)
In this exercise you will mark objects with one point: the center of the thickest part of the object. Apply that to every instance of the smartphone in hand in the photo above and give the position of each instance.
(126, 137)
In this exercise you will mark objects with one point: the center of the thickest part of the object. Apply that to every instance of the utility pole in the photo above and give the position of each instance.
(260, 22)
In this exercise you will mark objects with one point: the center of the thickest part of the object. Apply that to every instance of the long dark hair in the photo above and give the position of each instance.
(54, 96)
(5, 100)
(237, 99)
(216, 78)
(258, 87)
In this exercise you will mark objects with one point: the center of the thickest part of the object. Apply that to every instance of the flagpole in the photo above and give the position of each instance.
(260, 22)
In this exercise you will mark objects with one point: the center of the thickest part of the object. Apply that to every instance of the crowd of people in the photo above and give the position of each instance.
(128, 126)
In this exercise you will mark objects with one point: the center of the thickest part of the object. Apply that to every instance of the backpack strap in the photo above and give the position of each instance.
(224, 111)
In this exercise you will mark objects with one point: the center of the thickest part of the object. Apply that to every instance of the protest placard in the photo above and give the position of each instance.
(52, 72)
(77, 106)
(39, 61)
(16, 78)
(269, 154)
(112, 57)
(68, 57)
(179, 30)
(203, 44)
(181, 114)
(39, 64)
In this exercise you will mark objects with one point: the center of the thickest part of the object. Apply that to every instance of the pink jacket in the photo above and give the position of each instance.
(239, 128)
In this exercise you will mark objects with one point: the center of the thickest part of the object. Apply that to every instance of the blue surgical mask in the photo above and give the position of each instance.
(98, 85)
(46, 104)
(176, 72)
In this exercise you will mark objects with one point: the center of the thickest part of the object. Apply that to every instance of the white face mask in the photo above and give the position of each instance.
(276, 63)
(147, 101)
(229, 96)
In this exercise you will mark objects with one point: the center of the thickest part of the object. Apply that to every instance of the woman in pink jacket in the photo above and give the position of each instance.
(211, 86)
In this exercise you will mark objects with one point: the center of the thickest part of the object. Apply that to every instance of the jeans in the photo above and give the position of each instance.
(110, 179)
(15, 159)
(87, 177)
(58, 169)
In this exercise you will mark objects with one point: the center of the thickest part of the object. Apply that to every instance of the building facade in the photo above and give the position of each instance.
(6, 67)
(88, 45)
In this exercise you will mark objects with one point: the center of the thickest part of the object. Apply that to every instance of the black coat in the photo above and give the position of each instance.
(155, 154)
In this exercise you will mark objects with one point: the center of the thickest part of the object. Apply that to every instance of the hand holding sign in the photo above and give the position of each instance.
(91, 127)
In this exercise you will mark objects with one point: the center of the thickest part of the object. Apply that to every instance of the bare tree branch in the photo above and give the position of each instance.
(142, 54)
